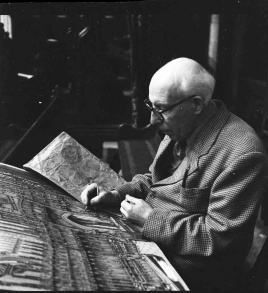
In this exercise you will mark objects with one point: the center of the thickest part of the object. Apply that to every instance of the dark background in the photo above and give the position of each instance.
(99, 58)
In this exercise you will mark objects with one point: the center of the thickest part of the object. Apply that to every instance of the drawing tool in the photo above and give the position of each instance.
(97, 193)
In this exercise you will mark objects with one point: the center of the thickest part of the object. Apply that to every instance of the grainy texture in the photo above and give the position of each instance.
(71, 166)
(48, 242)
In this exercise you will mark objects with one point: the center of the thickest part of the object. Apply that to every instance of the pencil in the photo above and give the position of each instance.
(97, 193)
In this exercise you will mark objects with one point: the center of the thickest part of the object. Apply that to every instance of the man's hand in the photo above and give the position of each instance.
(135, 210)
(95, 195)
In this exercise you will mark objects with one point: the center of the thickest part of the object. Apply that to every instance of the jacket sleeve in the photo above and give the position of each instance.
(138, 187)
(234, 201)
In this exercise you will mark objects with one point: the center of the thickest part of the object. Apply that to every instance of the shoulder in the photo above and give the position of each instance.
(238, 142)
(238, 134)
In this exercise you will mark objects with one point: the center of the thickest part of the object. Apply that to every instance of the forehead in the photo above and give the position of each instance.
(162, 94)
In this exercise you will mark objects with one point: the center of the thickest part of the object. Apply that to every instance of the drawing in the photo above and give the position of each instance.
(49, 243)
(69, 165)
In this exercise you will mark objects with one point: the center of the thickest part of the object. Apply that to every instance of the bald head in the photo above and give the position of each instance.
(183, 77)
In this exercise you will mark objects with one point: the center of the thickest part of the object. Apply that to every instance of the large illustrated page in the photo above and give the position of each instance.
(71, 166)
(48, 242)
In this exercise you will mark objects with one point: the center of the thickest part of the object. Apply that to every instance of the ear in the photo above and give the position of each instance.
(198, 104)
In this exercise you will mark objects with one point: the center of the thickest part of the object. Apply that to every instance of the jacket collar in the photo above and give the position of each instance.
(204, 138)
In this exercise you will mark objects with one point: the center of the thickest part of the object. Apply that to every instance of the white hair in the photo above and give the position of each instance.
(188, 78)
(201, 83)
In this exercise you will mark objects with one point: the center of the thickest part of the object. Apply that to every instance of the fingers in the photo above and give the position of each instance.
(125, 205)
(88, 192)
(100, 198)
(127, 210)
(135, 210)
(131, 199)
(123, 212)
(93, 195)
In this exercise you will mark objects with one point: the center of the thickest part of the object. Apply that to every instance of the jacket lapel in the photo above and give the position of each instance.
(163, 154)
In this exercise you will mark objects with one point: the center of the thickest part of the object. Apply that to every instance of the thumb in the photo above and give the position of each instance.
(102, 197)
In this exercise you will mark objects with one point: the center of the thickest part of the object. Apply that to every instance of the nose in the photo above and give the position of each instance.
(155, 119)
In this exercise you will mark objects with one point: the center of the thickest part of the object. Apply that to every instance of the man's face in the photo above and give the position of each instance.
(180, 121)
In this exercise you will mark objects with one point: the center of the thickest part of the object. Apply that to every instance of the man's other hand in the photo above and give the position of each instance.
(135, 210)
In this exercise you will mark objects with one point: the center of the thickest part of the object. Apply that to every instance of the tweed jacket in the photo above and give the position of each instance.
(206, 227)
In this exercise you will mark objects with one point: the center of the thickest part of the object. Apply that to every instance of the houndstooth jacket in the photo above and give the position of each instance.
(206, 227)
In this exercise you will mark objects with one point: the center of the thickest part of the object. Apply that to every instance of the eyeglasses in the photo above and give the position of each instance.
(159, 113)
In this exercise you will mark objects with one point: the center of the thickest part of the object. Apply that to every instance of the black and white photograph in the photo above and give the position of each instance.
(134, 145)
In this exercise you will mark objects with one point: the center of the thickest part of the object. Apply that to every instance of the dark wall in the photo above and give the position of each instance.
(255, 50)
(98, 64)
(94, 51)
(172, 34)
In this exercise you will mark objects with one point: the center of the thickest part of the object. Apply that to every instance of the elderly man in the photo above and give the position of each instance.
(200, 200)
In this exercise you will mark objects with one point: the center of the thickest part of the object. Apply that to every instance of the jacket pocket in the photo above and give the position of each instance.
(194, 200)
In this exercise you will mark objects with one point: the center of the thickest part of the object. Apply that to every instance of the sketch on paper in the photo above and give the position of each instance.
(71, 166)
